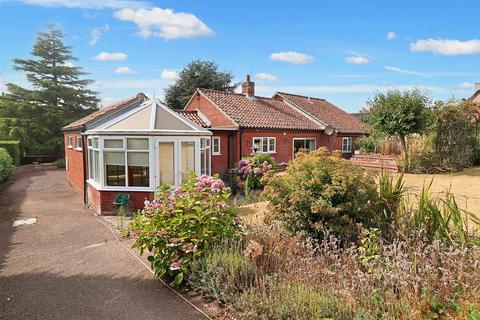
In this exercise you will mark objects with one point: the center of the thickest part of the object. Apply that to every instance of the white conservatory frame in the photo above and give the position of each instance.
(190, 132)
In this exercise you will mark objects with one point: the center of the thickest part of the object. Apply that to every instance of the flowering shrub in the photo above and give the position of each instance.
(179, 225)
(251, 170)
(320, 192)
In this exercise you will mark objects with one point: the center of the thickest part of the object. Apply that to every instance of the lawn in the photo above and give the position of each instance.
(465, 185)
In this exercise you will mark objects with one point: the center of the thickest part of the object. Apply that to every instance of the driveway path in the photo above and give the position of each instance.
(68, 265)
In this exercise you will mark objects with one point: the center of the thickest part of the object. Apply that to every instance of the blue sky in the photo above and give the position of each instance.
(343, 51)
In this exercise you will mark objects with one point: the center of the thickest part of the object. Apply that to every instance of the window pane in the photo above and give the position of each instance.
(265, 144)
(79, 143)
(310, 144)
(115, 175)
(166, 159)
(271, 145)
(113, 143)
(297, 145)
(89, 142)
(203, 161)
(188, 159)
(95, 143)
(137, 144)
(138, 176)
(96, 166)
(90, 164)
(115, 158)
(137, 158)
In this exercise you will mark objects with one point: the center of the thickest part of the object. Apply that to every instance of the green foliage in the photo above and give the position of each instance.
(250, 171)
(369, 248)
(367, 144)
(197, 74)
(180, 225)
(292, 301)
(392, 194)
(223, 273)
(13, 149)
(319, 192)
(398, 114)
(57, 96)
(60, 163)
(6, 165)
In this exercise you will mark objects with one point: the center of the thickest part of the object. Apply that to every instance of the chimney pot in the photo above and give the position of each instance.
(248, 87)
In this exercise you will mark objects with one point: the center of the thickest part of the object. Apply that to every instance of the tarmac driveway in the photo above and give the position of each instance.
(68, 265)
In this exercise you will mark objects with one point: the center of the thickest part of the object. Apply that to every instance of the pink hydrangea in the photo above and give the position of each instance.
(175, 265)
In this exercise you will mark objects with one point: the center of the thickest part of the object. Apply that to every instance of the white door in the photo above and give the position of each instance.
(176, 159)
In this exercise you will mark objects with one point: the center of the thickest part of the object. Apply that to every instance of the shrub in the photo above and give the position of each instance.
(250, 171)
(367, 144)
(179, 225)
(320, 192)
(223, 273)
(6, 165)
(60, 163)
(13, 148)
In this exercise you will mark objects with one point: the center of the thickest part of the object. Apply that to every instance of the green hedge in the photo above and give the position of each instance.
(6, 165)
(13, 149)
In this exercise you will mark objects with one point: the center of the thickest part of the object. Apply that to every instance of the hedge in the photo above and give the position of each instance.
(13, 149)
(6, 165)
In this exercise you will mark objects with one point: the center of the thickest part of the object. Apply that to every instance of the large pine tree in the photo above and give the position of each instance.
(56, 97)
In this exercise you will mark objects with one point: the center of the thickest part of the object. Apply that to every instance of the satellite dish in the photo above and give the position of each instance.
(329, 130)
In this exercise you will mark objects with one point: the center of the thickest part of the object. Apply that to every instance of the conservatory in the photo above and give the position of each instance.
(133, 151)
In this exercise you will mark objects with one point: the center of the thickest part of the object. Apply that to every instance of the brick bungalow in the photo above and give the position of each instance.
(242, 123)
(133, 146)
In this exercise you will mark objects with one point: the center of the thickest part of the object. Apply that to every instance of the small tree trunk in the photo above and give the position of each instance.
(403, 142)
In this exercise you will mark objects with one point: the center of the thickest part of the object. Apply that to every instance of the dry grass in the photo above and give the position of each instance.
(464, 185)
(253, 214)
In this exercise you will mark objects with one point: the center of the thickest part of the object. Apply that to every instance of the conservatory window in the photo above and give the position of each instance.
(205, 156)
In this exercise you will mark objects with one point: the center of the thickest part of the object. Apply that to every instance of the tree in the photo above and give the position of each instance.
(398, 114)
(197, 74)
(57, 95)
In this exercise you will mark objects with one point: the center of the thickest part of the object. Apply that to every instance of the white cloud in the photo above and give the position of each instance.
(292, 57)
(357, 60)
(265, 76)
(169, 75)
(465, 86)
(124, 70)
(165, 23)
(90, 4)
(391, 36)
(449, 47)
(106, 56)
(405, 71)
(97, 33)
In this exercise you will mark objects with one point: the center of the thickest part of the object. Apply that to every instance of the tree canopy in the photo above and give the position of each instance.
(197, 74)
(399, 113)
(57, 95)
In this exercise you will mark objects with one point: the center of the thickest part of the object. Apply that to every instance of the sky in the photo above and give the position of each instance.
(343, 51)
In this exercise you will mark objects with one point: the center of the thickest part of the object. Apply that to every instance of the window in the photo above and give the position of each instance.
(216, 146)
(93, 160)
(346, 144)
(69, 142)
(205, 155)
(264, 145)
(78, 144)
(304, 143)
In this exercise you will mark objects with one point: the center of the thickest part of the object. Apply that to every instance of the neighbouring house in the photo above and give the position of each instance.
(137, 144)
(131, 147)
(242, 123)
(475, 98)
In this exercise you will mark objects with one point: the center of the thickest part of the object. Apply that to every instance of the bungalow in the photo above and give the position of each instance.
(137, 144)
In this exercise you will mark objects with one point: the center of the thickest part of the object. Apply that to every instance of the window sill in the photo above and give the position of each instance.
(216, 154)
(69, 147)
(347, 151)
(78, 149)
(119, 189)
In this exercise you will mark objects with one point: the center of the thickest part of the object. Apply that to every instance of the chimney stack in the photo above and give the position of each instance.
(248, 87)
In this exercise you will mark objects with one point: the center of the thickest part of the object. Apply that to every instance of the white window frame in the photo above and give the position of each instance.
(348, 145)
(208, 147)
(69, 142)
(77, 147)
(216, 152)
(303, 139)
(103, 185)
(269, 139)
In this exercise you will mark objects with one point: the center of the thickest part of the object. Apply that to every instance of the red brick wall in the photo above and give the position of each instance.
(284, 141)
(216, 117)
(102, 201)
(220, 162)
(74, 157)
(334, 142)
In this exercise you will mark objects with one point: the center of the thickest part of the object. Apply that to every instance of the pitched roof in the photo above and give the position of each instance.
(193, 116)
(103, 112)
(327, 113)
(475, 98)
(259, 112)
